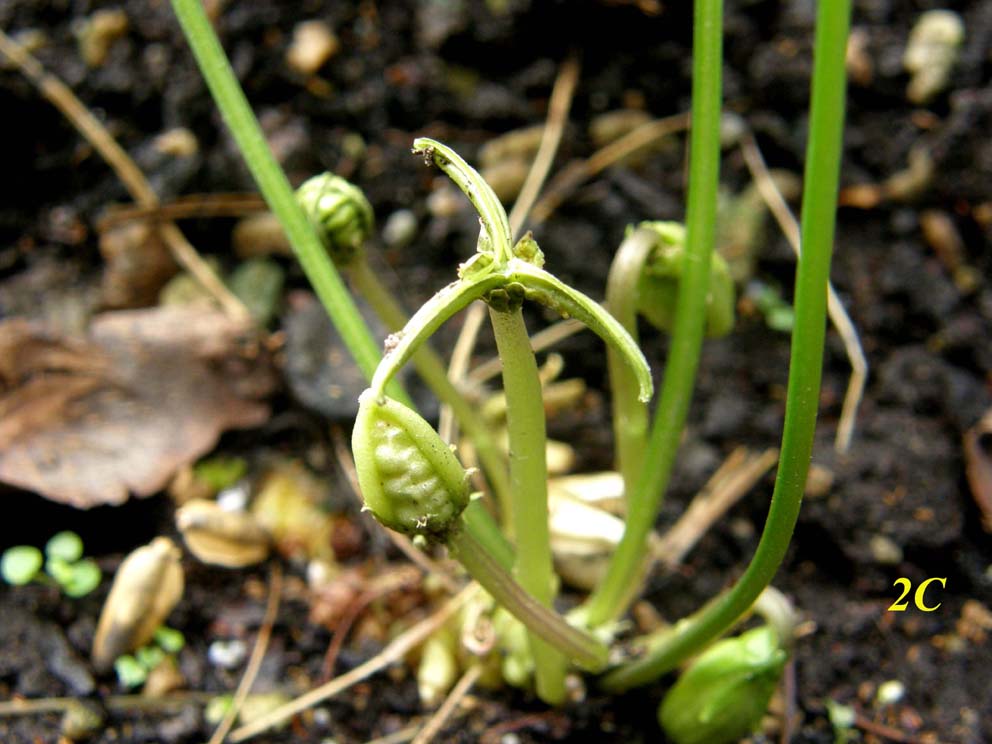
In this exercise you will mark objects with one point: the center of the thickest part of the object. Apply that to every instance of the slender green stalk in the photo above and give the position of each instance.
(581, 647)
(626, 567)
(432, 370)
(275, 188)
(317, 266)
(630, 414)
(819, 210)
(529, 486)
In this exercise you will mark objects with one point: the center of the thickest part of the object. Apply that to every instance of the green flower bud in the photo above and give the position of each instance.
(339, 212)
(722, 696)
(658, 286)
(410, 479)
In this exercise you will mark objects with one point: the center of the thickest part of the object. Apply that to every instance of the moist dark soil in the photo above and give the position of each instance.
(466, 71)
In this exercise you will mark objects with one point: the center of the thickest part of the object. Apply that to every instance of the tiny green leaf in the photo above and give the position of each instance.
(170, 639)
(220, 472)
(20, 564)
(149, 656)
(83, 578)
(65, 545)
(130, 672)
(59, 569)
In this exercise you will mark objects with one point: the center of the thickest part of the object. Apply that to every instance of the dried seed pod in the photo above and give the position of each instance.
(410, 479)
(221, 537)
(147, 586)
(339, 212)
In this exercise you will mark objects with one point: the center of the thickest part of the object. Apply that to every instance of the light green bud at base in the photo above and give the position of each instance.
(723, 695)
(340, 214)
(410, 479)
(658, 286)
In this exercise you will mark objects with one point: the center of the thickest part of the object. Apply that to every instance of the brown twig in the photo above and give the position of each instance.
(60, 96)
(394, 652)
(382, 585)
(735, 477)
(255, 660)
(190, 206)
(397, 737)
(437, 722)
(569, 179)
(835, 308)
(889, 732)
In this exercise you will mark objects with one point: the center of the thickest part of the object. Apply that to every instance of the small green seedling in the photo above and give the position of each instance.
(778, 313)
(133, 669)
(415, 483)
(63, 563)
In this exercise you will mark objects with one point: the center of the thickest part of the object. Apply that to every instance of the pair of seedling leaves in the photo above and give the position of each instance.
(410, 479)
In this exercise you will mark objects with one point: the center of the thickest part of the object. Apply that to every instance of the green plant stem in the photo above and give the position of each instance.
(275, 188)
(529, 486)
(271, 180)
(630, 414)
(430, 367)
(626, 567)
(818, 214)
(581, 647)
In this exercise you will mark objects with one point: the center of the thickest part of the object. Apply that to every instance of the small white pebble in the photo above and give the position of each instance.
(400, 229)
(890, 692)
(313, 44)
(227, 654)
(885, 551)
(233, 498)
(178, 142)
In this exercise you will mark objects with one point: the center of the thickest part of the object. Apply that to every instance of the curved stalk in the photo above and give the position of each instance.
(529, 486)
(275, 188)
(630, 415)
(626, 567)
(579, 646)
(819, 210)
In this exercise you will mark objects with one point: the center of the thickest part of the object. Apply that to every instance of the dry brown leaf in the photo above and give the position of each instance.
(86, 421)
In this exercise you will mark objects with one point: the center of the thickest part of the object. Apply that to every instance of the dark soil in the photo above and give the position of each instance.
(455, 71)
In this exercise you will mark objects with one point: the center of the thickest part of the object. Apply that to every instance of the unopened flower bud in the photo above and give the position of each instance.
(722, 696)
(339, 212)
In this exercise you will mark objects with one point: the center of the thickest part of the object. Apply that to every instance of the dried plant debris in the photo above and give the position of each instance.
(978, 465)
(86, 421)
(147, 586)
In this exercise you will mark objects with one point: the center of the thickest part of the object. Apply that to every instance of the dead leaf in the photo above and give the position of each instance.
(86, 421)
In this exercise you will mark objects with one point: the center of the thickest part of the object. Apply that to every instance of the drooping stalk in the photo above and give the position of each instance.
(430, 367)
(630, 414)
(623, 575)
(271, 180)
(579, 646)
(529, 486)
(823, 156)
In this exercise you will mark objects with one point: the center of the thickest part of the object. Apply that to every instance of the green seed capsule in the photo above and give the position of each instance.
(340, 213)
(410, 479)
(723, 695)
